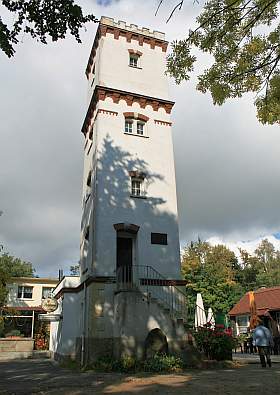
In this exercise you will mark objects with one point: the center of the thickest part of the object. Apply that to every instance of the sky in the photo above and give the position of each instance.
(227, 164)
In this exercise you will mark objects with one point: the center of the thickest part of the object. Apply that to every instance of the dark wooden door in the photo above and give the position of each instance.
(124, 258)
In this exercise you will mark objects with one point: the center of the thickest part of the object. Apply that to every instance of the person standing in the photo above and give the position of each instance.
(263, 340)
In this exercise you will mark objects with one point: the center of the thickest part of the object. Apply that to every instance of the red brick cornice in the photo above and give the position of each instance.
(101, 93)
(118, 32)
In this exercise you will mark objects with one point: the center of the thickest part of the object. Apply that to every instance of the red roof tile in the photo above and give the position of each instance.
(266, 299)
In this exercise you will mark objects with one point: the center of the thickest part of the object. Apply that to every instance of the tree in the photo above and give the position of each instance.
(243, 38)
(74, 270)
(213, 276)
(12, 267)
(41, 19)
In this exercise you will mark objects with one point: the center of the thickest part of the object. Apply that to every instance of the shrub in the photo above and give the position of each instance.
(215, 343)
(124, 365)
(163, 363)
(14, 332)
(159, 363)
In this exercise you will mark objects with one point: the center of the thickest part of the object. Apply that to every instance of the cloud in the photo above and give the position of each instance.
(248, 245)
(227, 165)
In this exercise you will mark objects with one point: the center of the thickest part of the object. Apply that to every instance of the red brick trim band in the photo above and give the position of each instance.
(101, 93)
(108, 112)
(136, 115)
(159, 122)
(118, 32)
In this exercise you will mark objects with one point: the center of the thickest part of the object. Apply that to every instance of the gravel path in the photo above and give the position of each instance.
(43, 377)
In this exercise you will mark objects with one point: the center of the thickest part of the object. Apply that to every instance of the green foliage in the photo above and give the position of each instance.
(74, 270)
(14, 332)
(12, 267)
(242, 36)
(163, 363)
(159, 363)
(124, 365)
(41, 19)
(215, 272)
(211, 271)
(214, 343)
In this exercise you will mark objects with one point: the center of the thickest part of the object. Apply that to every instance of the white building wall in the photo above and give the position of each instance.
(64, 333)
(36, 283)
(118, 153)
(149, 79)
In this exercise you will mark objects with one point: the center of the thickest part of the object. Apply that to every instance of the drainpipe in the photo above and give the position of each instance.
(32, 327)
(84, 327)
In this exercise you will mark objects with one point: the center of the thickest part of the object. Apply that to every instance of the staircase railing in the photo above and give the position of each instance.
(155, 285)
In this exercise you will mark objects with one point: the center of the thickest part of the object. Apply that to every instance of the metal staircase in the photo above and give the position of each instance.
(155, 286)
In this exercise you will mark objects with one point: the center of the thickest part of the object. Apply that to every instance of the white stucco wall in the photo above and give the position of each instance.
(119, 153)
(63, 333)
(149, 79)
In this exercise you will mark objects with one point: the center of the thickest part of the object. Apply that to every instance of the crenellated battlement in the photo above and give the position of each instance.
(132, 28)
(130, 32)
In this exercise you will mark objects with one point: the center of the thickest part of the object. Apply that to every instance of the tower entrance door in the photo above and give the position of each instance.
(124, 251)
(124, 260)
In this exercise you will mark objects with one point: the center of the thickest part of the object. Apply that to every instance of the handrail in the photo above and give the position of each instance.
(162, 276)
(148, 280)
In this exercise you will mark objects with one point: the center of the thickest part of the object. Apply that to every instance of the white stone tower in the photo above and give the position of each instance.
(130, 261)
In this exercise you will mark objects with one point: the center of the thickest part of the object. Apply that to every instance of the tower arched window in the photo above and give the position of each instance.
(135, 124)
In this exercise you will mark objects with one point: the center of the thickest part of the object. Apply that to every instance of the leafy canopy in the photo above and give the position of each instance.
(216, 273)
(243, 37)
(41, 19)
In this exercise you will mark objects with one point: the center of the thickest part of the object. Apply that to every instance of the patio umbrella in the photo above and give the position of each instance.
(210, 317)
(200, 316)
(253, 311)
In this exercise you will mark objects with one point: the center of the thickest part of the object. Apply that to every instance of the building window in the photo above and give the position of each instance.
(89, 178)
(46, 292)
(128, 126)
(140, 128)
(159, 238)
(25, 292)
(133, 60)
(87, 233)
(242, 322)
(136, 187)
(135, 127)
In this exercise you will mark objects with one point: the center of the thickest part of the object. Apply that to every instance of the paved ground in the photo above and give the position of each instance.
(44, 378)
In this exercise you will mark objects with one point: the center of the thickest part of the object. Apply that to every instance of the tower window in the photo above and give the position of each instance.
(136, 187)
(89, 178)
(133, 60)
(128, 126)
(135, 127)
(159, 238)
(140, 128)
